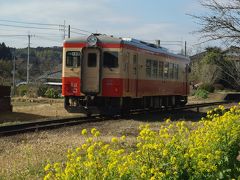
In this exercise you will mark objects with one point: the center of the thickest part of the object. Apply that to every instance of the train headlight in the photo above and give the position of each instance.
(92, 40)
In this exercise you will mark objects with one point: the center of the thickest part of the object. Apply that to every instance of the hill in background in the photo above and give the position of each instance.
(41, 59)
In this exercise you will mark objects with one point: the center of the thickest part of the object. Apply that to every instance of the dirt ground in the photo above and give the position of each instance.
(25, 109)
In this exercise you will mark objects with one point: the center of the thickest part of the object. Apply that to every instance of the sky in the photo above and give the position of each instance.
(146, 20)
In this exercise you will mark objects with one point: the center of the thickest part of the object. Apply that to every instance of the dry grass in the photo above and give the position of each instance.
(24, 156)
(33, 109)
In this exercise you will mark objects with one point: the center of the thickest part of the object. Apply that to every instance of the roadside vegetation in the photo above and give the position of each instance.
(203, 90)
(38, 90)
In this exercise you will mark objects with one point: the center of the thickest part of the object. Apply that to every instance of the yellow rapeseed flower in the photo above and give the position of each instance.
(78, 159)
(84, 131)
(84, 146)
(165, 152)
(143, 175)
(78, 150)
(144, 168)
(89, 140)
(97, 133)
(123, 138)
(47, 167)
(152, 178)
(114, 140)
(48, 176)
(168, 120)
(93, 130)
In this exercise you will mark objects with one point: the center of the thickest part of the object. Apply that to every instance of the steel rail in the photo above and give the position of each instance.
(44, 124)
(189, 106)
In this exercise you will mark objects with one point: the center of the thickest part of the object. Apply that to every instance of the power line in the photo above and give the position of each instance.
(49, 34)
(39, 36)
(21, 22)
(49, 39)
(28, 27)
(60, 26)
(78, 33)
(173, 41)
(11, 35)
(171, 44)
(81, 30)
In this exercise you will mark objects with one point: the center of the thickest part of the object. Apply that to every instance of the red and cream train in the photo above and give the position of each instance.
(108, 75)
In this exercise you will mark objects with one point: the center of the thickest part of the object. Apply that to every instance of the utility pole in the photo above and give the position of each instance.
(64, 29)
(14, 72)
(28, 58)
(158, 43)
(185, 46)
(69, 31)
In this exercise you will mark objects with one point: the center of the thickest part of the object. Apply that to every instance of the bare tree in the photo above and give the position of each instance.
(222, 22)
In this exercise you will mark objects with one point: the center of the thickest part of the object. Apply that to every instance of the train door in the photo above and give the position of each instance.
(127, 69)
(90, 72)
(187, 70)
(135, 74)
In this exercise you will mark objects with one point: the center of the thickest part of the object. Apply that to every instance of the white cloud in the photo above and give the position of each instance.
(93, 15)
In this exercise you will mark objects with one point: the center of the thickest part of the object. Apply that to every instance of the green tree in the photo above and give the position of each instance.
(5, 52)
(206, 70)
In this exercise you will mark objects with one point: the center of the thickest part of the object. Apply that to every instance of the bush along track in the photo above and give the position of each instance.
(209, 151)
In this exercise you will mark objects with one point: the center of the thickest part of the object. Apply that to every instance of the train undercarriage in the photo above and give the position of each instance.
(111, 106)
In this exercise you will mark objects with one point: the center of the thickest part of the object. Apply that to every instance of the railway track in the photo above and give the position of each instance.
(46, 124)
(61, 122)
(189, 106)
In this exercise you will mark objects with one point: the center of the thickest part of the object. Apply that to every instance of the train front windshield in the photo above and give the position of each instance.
(110, 59)
(73, 59)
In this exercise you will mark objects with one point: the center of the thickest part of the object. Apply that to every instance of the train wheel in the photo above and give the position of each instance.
(125, 113)
(89, 114)
(125, 108)
(66, 102)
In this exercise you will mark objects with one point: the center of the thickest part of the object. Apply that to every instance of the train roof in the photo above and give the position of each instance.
(128, 41)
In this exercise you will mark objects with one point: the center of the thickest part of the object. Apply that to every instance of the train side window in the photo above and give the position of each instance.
(171, 70)
(92, 60)
(110, 59)
(166, 70)
(160, 69)
(73, 58)
(135, 64)
(154, 68)
(148, 68)
(135, 59)
(176, 71)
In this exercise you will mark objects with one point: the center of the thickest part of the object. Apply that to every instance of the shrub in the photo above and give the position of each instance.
(42, 90)
(52, 93)
(173, 152)
(208, 87)
(29, 90)
(22, 90)
(201, 93)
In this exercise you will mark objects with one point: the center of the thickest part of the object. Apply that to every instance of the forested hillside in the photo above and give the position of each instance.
(42, 59)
